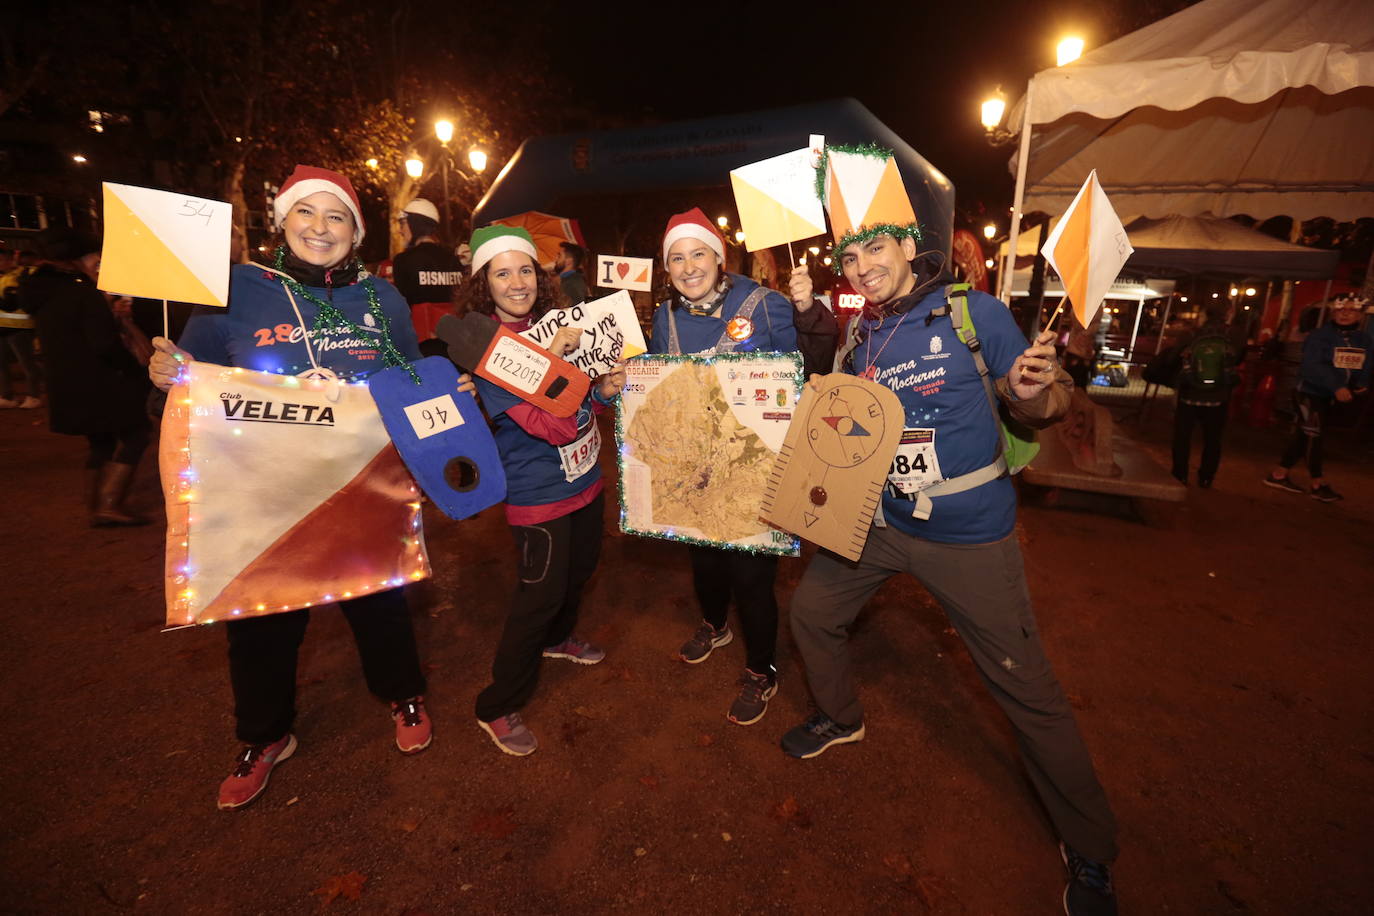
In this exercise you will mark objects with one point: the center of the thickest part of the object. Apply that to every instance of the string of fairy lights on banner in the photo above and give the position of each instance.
(183, 495)
(860, 235)
(670, 534)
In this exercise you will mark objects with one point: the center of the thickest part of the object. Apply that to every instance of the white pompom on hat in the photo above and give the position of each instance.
(308, 179)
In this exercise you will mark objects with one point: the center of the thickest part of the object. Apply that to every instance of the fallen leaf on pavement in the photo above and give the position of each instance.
(349, 885)
(789, 812)
(705, 740)
(494, 823)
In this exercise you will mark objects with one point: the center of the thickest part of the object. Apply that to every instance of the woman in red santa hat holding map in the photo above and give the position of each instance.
(316, 305)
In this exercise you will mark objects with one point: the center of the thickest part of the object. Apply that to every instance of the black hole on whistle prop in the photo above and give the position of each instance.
(461, 474)
(556, 387)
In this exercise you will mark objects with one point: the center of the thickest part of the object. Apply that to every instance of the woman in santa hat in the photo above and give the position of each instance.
(554, 501)
(711, 311)
(356, 324)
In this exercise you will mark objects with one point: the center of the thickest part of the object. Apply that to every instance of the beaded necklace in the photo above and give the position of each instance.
(328, 317)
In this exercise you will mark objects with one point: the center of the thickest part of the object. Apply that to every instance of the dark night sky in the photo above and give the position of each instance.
(921, 68)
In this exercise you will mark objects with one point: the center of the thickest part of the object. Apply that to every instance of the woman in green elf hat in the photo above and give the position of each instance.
(554, 501)
(314, 298)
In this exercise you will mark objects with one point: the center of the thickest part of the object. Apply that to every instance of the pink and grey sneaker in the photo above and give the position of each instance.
(511, 735)
(251, 770)
(575, 650)
(414, 730)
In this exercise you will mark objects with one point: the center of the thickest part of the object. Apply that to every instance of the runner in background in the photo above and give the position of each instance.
(427, 273)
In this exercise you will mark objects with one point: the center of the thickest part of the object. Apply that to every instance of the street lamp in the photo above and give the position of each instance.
(415, 168)
(477, 159)
(1068, 50)
(443, 130)
(722, 222)
(992, 111)
(739, 236)
(79, 159)
(1250, 291)
(990, 231)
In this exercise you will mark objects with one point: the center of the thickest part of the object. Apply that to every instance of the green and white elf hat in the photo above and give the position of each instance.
(490, 241)
(864, 195)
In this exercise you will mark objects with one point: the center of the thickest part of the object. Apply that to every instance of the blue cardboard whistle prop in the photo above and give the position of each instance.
(441, 435)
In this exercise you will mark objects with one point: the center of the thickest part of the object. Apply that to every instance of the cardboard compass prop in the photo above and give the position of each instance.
(441, 435)
(829, 474)
(480, 345)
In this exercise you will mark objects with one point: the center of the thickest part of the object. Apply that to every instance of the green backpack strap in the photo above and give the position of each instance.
(1017, 444)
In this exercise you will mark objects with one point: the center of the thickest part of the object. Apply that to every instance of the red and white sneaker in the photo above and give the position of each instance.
(251, 770)
(414, 730)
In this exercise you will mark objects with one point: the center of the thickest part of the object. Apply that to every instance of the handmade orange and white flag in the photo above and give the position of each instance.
(282, 493)
(1087, 249)
(162, 245)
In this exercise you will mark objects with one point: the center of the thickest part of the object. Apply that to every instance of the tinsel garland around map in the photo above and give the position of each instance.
(697, 437)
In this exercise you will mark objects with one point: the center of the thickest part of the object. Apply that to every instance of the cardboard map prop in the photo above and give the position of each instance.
(697, 438)
(830, 472)
(611, 332)
(282, 493)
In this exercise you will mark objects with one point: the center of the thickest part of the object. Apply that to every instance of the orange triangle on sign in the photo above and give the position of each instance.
(643, 276)
(840, 223)
(1071, 254)
(133, 254)
(890, 203)
(297, 572)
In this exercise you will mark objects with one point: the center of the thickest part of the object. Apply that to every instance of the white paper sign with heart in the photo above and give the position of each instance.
(617, 272)
(611, 332)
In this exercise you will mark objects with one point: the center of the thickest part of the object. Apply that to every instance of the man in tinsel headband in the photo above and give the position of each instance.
(949, 509)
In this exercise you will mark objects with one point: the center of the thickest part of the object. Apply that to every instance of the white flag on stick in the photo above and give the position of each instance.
(1087, 249)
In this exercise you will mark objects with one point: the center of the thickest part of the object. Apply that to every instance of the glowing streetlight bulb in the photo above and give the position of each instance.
(1234, 292)
(1182, 298)
(814, 249)
(989, 231)
(988, 263)
(78, 158)
(415, 168)
(477, 159)
(1068, 51)
(1250, 290)
(992, 111)
(739, 236)
(443, 130)
(722, 222)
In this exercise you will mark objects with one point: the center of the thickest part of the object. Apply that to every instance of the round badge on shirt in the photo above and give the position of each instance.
(739, 328)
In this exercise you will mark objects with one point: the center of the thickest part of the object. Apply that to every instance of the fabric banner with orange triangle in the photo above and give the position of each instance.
(282, 493)
(1088, 248)
(162, 245)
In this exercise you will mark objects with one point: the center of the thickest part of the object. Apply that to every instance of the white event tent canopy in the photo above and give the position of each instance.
(1260, 107)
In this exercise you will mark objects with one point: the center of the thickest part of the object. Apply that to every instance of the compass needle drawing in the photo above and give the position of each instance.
(828, 489)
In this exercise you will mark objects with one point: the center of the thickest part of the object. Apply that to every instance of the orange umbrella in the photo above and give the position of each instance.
(548, 232)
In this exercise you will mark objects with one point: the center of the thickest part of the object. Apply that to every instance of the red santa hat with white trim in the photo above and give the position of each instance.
(309, 179)
(693, 225)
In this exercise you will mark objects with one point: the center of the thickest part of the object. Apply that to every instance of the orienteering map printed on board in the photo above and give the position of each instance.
(697, 437)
